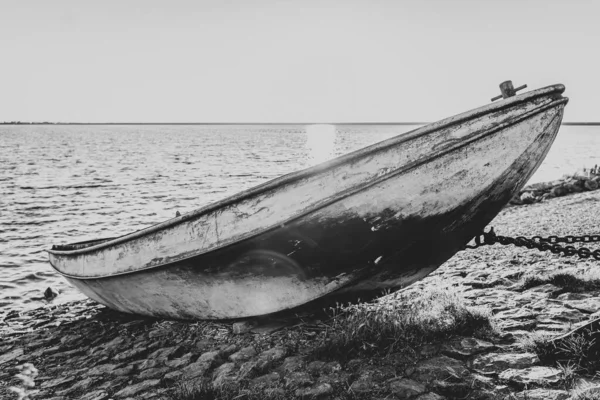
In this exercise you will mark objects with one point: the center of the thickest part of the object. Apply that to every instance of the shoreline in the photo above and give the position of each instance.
(83, 350)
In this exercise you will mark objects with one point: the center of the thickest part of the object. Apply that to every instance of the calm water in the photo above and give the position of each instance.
(61, 184)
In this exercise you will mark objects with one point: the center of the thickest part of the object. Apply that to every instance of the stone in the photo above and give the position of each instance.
(57, 382)
(298, 379)
(243, 355)
(201, 366)
(95, 395)
(511, 324)
(542, 394)
(153, 373)
(147, 364)
(527, 198)
(520, 313)
(573, 296)
(429, 350)
(269, 357)
(355, 364)
(268, 327)
(132, 390)
(466, 347)
(127, 370)
(210, 357)
(128, 354)
(546, 288)
(179, 362)
(224, 374)
(292, 364)
(316, 391)
(264, 381)
(82, 385)
(495, 363)
(314, 367)
(362, 385)
(439, 368)
(243, 326)
(228, 350)
(538, 376)
(331, 368)
(429, 396)
(11, 356)
(450, 389)
(590, 305)
(406, 388)
(164, 353)
(204, 344)
(115, 344)
(590, 184)
(171, 376)
(51, 293)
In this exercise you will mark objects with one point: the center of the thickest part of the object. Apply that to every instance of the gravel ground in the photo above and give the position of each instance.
(84, 351)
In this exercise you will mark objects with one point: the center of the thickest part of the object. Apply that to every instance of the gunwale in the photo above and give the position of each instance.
(308, 172)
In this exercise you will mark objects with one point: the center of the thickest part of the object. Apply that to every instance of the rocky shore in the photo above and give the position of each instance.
(82, 350)
(588, 180)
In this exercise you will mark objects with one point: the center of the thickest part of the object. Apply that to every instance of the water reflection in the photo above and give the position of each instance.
(320, 143)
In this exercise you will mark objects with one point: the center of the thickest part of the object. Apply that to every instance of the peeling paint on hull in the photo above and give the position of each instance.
(382, 217)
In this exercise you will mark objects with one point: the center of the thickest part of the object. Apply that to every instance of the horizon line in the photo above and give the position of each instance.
(594, 123)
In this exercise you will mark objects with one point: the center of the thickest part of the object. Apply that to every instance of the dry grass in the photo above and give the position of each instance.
(586, 391)
(205, 391)
(579, 351)
(387, 326)
(570, 280)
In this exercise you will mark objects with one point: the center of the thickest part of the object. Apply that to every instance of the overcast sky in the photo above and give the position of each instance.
(289, 61)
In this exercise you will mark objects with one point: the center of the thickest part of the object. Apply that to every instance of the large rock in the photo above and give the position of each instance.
(495, 363)
(406, 388)
(10, 356)
(466, 347)
(317, 391)
(243, 355)
(292, 364)
(542, 394)
(265, 381)
(532, 376)
(201, 366)
(224, 375)
(589, 305)
(439, 368)
(132, 390)
(267, 358)
(298, 379)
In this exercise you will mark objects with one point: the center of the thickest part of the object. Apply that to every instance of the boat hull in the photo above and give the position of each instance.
(407, 209)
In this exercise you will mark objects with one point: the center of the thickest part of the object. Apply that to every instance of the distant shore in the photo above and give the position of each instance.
(251, 123)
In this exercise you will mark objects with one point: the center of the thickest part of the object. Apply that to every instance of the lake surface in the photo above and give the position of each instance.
(63, 184)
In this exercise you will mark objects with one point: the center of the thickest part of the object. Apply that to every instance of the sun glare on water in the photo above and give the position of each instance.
(320, 143)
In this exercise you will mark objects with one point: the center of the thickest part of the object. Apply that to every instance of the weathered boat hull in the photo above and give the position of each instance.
(382, 217)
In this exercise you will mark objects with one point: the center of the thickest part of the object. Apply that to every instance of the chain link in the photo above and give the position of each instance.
(550, 243)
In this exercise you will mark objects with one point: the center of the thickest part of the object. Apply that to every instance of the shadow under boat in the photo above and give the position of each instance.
(377, 219)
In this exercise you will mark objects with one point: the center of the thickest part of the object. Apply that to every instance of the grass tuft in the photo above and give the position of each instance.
(578, 350)
(386, 326)
(574, 281)
(204, 390)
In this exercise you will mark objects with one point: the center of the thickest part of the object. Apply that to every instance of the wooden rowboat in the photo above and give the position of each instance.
(380, 217)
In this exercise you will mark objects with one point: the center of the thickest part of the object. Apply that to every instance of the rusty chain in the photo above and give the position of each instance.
(550, 243)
